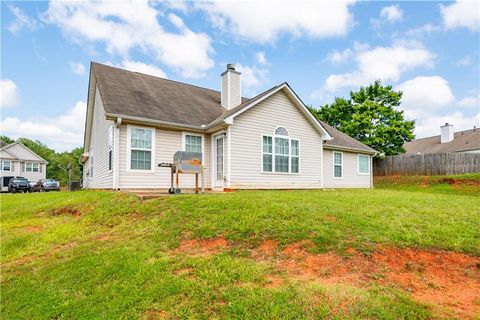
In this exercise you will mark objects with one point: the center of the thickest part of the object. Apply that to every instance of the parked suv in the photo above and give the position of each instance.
(18, 184)
(46, 185)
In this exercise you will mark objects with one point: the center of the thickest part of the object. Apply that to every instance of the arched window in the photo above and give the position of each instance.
(281, 131)
(281, 154)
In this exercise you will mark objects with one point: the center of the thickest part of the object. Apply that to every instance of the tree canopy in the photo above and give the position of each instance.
(57, 162)
(371, 116)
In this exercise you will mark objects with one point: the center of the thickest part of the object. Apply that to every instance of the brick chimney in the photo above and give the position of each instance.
(446, 133)
(231, 91)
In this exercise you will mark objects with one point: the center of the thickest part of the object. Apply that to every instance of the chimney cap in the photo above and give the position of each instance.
(230, 66)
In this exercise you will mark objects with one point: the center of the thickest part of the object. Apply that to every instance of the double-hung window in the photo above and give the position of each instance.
(6, 165)
(280, 153)
(141, 149)
(337, 164)
(32, 167)
(267, 154)
(193, 143)
(363, 164)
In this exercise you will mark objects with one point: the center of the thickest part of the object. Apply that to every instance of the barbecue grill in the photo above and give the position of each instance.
(184, 163)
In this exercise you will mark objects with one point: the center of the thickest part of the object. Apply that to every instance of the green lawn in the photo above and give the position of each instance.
(100, 254)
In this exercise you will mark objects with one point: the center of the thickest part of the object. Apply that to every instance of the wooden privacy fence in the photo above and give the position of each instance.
(428, 164)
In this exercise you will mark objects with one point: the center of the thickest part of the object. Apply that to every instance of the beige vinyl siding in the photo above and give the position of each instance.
(351, 178)
(5, 155)
(33, 175)
(166, 144)
(102, 177)
(246, 146)
(23, 153)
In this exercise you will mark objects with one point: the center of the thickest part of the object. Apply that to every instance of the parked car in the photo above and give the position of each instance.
(32, 183)
(18, 184)
(46, 185)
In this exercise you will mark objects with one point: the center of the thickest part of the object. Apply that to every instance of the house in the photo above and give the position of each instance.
(447, 142)
(271, 141)
(16, 160)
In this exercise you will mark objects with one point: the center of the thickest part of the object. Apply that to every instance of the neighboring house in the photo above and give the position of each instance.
(16, 160)
(271, 141)
(447, 142)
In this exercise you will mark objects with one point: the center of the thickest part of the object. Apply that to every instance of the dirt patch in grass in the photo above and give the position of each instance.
(155, 314)
(104, 237)
(65, 211)
(466, 182)
(33, 257)
(33, 229)
(446, 280)
(274, 282)
(202, 248)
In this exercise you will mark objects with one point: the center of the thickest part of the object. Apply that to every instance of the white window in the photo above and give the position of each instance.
(267, 154)
(32, 167)
(141, 146)
(363, 164)
(192, 142)
(6, 165)
(280, 153)
(337, 164)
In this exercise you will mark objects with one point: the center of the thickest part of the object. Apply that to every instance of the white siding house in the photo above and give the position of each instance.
(271, 141)
(16, 160)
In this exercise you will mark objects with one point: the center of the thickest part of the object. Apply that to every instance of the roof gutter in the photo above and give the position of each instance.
(116, 116)
(333, 147)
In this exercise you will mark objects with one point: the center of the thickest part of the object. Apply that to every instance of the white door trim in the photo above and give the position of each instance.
(218, 183)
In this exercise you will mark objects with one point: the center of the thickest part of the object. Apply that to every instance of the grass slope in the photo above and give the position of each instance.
(98, 254)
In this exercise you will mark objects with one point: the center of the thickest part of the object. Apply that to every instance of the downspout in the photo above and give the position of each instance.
(116, 154)
(229, 157)
(321, 165)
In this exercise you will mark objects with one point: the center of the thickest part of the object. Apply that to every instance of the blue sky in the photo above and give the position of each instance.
(429, 50)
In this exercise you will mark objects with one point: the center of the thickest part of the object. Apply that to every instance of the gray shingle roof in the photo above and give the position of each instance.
(462, 141)
(139, 95)
(343, 140)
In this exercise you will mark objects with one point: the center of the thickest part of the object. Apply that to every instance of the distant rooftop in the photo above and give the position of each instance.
(467, 140)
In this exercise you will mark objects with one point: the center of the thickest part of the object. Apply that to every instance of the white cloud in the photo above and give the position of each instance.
(465, 61)
(423, 96)
(337, 57)
(265, 21)
(143, 68)
(430, 126)
(384, 63)
(9, 93)
(392, 13)
(77, 68)
(261, 57)
(470, 101)
(461, 14)
(422, 30)
(21, 21)
(64, 132)
(252, 78)
(133, 25)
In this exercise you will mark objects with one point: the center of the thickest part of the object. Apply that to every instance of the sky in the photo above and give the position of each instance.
(428, 50)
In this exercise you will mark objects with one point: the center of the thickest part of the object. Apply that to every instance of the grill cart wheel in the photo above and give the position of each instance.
(171, 190)
(178, 190)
